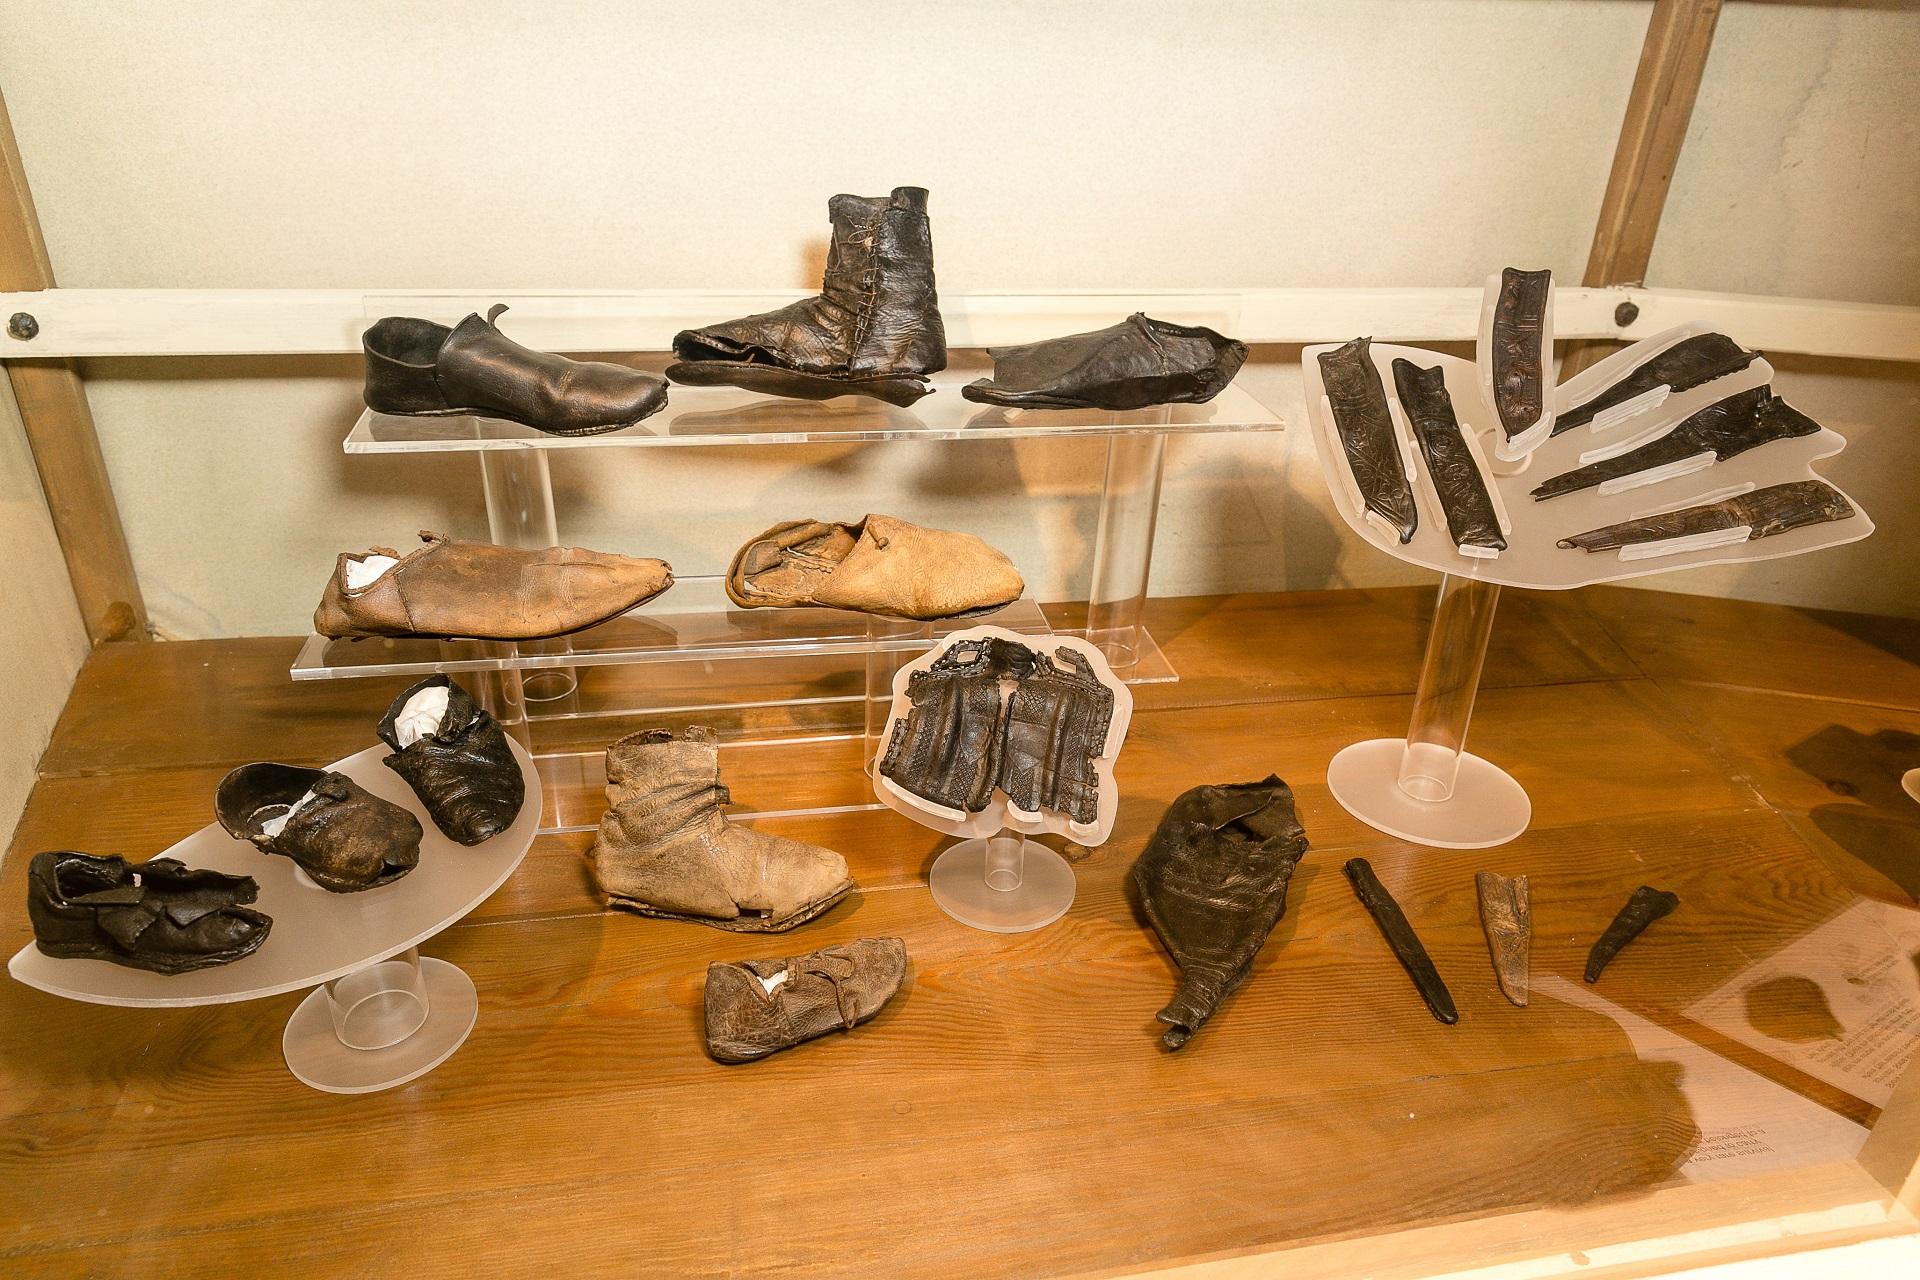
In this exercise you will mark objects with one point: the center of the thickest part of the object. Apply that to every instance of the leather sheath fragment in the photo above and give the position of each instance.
(1400, 936)
(1725, 429)
(1456, 477)
(1776, 509)
(1519, 357)
(1645, 906)
(1506, 916)
(1682, 366)
(1365, 428)
(1213, 881)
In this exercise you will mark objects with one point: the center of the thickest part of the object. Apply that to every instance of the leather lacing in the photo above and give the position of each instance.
(836, 970)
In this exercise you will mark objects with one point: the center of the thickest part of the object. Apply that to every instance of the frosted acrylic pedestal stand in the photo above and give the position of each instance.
(381, 1014)
(1426, 787)
(1004, 883)
(996, 878)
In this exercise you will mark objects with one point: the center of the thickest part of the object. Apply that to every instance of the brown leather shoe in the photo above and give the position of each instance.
(665, 847)
(758, 1007)
(451, 589)
(880, 565)
(342, 835)
(419, 368)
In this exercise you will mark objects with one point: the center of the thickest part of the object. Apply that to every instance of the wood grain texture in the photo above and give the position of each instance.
(59, 426)
(1672, 61)
(1011, 1112)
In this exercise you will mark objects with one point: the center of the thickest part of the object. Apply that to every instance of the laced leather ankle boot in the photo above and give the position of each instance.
(665, 847)
(874, 328)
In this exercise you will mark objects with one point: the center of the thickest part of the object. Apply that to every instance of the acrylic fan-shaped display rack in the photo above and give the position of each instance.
(1670, 454)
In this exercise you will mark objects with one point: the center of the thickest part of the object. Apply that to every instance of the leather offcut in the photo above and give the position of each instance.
(965, 735)
(874, 329)
(758, 1007)
(418, 368)
(1138, 362)
(161, 916)
(345, 838)
(1213, 883)
(464, 772)
(452, 589)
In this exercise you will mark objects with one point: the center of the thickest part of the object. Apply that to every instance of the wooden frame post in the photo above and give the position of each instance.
(59, 424)
(1672, 62)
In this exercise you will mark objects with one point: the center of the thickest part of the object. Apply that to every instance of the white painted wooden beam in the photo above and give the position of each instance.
(182, 322)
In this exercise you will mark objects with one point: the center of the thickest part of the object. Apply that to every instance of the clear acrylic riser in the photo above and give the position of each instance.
(714, 416)
(818, 680)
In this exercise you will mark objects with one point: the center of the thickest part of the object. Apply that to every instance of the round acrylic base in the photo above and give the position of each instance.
(1487, 806)
(960, 887)
(318, 1057)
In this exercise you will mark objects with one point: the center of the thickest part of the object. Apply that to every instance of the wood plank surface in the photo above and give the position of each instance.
(1011, 1112)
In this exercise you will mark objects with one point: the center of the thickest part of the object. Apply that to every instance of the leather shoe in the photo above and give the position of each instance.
(416, 368)
(758, 1007)
(161, 916)
(455, 756)
(449, 589)
(343, 836)
(879, 565)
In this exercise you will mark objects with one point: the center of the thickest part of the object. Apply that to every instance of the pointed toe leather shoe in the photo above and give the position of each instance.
(343, 836)
(758, 1007)
(449, 589)
(455, 756)
(161, 916)
(416, 368)
(879, 565)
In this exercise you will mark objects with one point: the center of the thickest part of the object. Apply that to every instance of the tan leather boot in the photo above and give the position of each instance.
(665, 847)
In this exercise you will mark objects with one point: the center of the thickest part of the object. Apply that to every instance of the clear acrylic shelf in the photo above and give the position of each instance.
(708, 416)
(692, 622)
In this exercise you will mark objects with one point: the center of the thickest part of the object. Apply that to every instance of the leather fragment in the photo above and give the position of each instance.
(1770, 511)
(1519, 355)
(1365, 427)
(1506, 916)
(1725, 429)
(1400, 936)
(1646, 905)
(1451, 467)
(1683, 366)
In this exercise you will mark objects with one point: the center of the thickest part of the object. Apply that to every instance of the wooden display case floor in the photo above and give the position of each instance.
(1012, 1111)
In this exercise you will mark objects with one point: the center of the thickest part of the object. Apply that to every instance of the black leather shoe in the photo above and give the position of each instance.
(419, 368)
(161, 916)
(342, 835)
(1138, 362)
(455, 757)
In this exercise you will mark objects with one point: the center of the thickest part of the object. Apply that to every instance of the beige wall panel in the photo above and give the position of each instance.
(42, 640)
